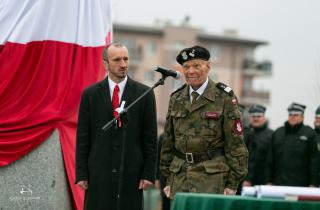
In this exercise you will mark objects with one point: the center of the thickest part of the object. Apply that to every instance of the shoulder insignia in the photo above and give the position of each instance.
(225, 88)
(180, 88)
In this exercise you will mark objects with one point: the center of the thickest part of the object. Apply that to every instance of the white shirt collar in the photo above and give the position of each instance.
(200, 89)
(121, 85)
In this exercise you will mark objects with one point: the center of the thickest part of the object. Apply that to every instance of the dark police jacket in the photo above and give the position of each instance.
(292, 158)
(258, 141)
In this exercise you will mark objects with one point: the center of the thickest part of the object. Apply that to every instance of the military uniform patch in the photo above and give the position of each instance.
(184, 55)
(192, 53)
(212, 115)
(225, 88)
(238, 127)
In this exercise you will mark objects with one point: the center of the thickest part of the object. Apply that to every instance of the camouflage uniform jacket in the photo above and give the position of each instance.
(212, 122)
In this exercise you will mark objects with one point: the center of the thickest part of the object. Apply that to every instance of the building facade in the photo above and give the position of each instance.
(232, 57)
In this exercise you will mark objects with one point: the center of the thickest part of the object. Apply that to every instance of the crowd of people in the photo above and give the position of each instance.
(204, 148)
(288, 156)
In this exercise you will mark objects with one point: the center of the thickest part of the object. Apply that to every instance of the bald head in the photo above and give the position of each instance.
(105, 55)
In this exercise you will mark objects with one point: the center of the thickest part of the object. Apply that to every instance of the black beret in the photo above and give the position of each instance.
(296, 108)
(318, 112)
(195, 52)
(257, 110)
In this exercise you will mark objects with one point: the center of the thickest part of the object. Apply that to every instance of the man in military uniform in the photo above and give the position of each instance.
(317, 129)
(257, 139)
(203, 150)
(292, 159)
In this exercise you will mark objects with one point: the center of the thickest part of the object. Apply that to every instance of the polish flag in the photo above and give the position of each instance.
(50, 50)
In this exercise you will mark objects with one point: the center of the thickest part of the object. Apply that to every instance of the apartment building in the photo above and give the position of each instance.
(157, 45)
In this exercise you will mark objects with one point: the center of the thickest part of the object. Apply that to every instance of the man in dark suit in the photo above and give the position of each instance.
(98, 153)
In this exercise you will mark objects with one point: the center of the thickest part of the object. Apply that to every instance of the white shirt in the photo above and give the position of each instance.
(121, 85)
(200, 89)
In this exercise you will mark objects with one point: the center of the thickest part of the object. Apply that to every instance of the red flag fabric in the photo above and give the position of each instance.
(49, 52)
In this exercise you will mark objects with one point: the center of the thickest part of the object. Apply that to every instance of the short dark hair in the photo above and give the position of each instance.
(105, 50)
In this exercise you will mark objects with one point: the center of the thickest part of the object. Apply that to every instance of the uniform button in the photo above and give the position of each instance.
(114, 170)
(115, 148)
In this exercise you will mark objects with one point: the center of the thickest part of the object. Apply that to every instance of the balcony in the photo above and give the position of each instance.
(254, 68)
(253, 96)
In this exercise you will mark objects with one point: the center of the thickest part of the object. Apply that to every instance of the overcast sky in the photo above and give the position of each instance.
(292, 27)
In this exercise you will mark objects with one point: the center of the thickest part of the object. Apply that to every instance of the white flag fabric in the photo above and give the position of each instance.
(82, 22)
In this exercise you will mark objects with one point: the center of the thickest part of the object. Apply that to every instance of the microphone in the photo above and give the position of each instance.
(167, 72)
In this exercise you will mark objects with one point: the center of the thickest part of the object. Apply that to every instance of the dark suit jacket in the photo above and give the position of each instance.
(98, 153)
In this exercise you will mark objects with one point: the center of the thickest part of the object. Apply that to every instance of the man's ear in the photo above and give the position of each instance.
(209, 65)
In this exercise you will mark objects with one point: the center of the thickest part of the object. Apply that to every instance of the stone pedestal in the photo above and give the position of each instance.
(37, 181)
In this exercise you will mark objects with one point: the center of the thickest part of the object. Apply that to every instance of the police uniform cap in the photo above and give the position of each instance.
(191, 53)
(318, 112)
(296, 108)
(257, 110)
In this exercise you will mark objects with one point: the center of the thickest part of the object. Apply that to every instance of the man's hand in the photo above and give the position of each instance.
(228, 191)
(246, 184)
(144, 184)
(167, 191)
(83, 184)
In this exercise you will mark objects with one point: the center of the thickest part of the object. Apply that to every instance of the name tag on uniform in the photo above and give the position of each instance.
(212, 115)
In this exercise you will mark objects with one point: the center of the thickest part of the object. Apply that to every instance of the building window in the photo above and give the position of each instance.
(149, 76)
(130, 44)
(132, 71)
(249, 53)
(215, 53)
(135, 50)
(151, 48)
(247, 84)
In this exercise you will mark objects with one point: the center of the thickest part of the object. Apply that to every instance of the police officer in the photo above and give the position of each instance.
(317, 130)
(203, 150)
(292, 159)
(257, 139)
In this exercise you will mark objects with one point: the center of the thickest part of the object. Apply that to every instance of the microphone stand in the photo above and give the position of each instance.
(124, 134)
(125, 110)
